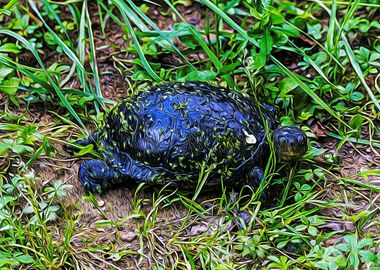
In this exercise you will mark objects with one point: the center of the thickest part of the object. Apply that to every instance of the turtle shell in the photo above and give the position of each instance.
(180, 126)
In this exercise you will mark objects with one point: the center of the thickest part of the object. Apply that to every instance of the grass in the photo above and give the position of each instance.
(63, 63)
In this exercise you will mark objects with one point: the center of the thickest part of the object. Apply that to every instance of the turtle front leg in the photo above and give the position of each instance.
(255, 177)
(97, 176)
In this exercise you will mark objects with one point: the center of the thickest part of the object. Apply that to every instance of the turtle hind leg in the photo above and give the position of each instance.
(135, 170)
(96, 176)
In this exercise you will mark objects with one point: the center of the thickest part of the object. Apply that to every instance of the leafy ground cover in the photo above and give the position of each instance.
(62, 64)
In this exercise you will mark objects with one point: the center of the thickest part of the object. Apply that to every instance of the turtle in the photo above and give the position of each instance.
(176, 133)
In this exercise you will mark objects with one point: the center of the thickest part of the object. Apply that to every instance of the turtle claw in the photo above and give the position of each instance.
(211, 210)
(94, 188)
(96, 176)
(245, 217)
(90, 185)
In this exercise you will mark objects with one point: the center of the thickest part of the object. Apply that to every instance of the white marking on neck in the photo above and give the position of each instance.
(250, 138)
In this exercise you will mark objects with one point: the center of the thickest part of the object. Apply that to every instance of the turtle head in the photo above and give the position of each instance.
(290, 143)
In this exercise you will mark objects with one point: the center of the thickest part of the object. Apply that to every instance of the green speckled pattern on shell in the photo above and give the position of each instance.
(171, 130)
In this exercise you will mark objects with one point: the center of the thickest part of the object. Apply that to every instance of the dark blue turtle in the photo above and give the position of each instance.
(170, 133)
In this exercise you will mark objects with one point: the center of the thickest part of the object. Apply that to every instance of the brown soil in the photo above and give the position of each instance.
(116, 204)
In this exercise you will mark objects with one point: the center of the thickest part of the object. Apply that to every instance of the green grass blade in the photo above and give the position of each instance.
(140, 52)
(307, 89)
(81, 47)
(110, 13)
(349, 14)
(58, 20)
(93, 61)
(134, 18)
(286, 71)
(7, 7)
(336, 61)
(358, 71)
(87, 87)
(30, 47)
(11, 127)
(37, 153)
(312, 63)
(352, 58)
(359, 4)
(198, 37)
(27, 71)
(214, 59)
(59, 41)
(330, 38)
(358, 183)
(161, 33)
(354, 140)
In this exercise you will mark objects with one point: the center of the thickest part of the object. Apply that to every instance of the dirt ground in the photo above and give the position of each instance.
(116, 204)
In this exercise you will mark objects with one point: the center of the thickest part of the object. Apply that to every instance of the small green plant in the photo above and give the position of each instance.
(316, 61)
(253, 246)
(281, 262)
(329, 258)
(27, 224)
(356, 250)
